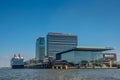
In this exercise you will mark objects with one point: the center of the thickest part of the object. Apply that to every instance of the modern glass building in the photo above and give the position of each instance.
(40, 48)
(57, 42)
(83, 55)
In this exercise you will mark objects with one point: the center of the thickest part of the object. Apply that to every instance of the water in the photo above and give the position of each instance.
(49, 74)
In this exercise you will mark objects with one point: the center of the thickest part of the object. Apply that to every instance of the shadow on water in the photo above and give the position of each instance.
(48, 74)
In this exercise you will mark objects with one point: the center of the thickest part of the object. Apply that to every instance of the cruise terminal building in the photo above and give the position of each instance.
(84, 55)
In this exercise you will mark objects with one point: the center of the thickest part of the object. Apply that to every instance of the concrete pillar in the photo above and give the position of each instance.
(110, 63)
(52, 67)
(60, 67)
(66, 67)
(56, 67)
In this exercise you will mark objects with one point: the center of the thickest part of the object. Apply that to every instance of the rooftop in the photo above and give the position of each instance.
(81, 48)
(56, 33)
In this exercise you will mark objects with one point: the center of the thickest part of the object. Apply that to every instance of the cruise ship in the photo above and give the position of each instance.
(17, 62)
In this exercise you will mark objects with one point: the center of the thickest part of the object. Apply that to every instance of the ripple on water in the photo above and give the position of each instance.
(48, 74)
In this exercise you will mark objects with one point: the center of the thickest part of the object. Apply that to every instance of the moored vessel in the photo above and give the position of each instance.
(17, 62)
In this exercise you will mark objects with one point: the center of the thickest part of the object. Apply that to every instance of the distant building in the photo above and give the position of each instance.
(109, 57)
(84, 55)
(40, 48)
(57, 42)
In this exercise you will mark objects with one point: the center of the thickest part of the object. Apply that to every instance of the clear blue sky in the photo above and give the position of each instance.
(96, 22)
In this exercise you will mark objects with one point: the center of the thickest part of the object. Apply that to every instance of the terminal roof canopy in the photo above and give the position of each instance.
(80, 48)
(92, 48)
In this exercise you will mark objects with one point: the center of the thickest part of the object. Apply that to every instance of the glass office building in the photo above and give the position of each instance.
(57, 42)
(83, 55)
(40, 48)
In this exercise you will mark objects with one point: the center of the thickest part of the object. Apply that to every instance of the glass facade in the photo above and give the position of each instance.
(57, 42)
(78, 57)
(40, 48)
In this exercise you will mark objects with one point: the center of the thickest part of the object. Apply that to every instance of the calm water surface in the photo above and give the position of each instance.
(48, 74)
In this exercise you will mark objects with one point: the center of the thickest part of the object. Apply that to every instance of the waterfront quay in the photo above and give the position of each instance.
(61, 64)
(61, 51)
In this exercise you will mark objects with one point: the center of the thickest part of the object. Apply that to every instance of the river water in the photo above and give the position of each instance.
(49, 74)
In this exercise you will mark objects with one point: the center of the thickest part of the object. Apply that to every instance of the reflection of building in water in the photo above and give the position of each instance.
(84, 56)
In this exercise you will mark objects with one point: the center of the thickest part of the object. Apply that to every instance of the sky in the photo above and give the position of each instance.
(95, 22)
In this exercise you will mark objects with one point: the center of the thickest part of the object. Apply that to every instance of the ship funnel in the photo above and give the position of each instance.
(19, 56)
(15, 55)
